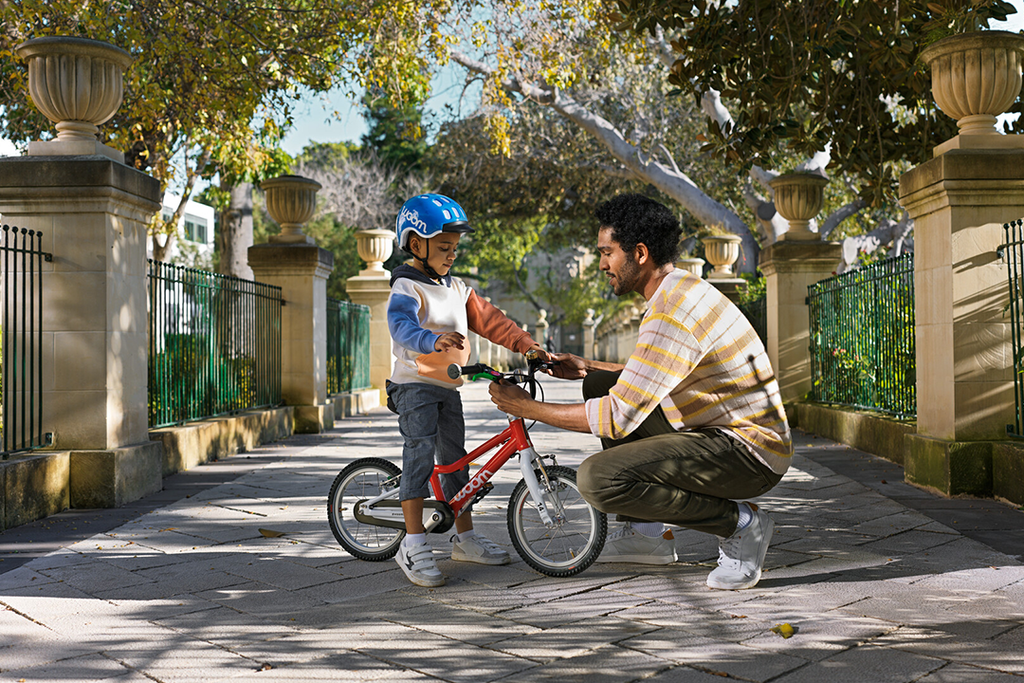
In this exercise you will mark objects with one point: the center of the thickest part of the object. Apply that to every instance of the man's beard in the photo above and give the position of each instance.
(627, 277)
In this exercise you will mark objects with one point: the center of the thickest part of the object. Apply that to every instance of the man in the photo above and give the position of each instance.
(690, 425)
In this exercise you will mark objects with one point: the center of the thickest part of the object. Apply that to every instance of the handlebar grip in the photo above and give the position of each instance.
(455, 371)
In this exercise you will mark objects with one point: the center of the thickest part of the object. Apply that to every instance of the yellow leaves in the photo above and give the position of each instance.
(270, 533)
(497, 127)
(784, 629)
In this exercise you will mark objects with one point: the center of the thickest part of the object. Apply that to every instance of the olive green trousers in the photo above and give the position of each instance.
(657, 474)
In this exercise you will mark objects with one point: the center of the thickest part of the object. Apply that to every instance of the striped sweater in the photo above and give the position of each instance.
(699, 358)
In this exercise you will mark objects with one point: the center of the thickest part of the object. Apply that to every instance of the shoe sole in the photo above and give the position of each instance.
(637, 559)
(482, 560)
(761, 552)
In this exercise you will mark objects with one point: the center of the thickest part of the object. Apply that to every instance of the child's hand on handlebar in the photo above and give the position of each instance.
(448, 340)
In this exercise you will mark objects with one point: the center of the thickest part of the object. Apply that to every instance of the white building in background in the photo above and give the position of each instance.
(194, 245)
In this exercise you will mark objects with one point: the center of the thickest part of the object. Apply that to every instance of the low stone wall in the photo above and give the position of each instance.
(1008, 471)
(866, 431)
(34, 486)
(198, 442)
(356, 403)
(986, 468)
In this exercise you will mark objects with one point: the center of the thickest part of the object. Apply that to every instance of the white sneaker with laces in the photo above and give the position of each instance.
(418, 564)
(629, 545)
(741, 556)
(479, 549)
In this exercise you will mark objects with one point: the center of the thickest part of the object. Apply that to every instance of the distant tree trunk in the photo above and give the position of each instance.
(235, 235)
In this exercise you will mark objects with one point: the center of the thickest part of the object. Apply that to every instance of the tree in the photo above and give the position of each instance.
(806, 76)
(577, 65)
(213, 84)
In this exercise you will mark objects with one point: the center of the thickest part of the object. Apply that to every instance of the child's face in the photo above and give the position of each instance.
(441, 254)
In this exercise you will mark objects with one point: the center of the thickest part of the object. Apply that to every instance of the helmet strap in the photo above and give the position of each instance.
(431, 273)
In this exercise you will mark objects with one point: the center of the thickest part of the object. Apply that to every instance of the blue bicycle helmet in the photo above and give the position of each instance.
(427, 215)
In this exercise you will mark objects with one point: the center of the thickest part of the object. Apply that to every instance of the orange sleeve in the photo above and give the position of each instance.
(490, 323)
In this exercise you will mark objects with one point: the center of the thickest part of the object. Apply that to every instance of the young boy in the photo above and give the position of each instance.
(429, 315)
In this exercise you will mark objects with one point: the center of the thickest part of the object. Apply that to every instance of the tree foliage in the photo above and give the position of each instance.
(802, 75)
(213, 84)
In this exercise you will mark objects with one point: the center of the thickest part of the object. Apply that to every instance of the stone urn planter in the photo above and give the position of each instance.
(291, 201)
(694, 265)
(976, 77)
(722, 252)
(78, 84)
(798, 199)
(374, 247)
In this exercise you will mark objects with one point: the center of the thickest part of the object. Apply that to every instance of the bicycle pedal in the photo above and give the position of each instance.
(484, 490)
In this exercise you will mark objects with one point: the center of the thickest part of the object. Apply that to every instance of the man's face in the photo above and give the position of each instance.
(622, 269)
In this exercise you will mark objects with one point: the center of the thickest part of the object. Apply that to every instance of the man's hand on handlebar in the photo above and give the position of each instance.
(567, 366)
(509, 398)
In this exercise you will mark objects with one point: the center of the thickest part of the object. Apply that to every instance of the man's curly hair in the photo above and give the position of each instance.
(635, 219)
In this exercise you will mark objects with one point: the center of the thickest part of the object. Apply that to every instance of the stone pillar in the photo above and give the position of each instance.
(485, 346)
(589, 350)
(93, 212)
(541, 328)
(959, 202)
(371, 287)
(301, 270)
(789, 268)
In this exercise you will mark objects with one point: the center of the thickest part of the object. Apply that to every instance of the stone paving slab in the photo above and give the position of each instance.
(883, 582)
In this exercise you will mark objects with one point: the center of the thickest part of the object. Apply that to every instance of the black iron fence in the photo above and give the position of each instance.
(214, 344)
(348, 347)
(1012, 252)
(21, 344)
(862, 338)
(756, 311)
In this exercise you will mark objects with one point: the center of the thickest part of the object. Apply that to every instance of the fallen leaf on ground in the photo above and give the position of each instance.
(784, 630)
(270, 533)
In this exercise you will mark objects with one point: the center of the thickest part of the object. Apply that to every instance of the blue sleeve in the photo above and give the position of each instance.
(404, 324)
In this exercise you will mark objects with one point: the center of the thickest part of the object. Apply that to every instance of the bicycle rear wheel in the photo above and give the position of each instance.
(575, 540)
(364, 478)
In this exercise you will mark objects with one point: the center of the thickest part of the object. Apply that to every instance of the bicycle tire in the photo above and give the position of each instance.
(360, 480)
(572, 545)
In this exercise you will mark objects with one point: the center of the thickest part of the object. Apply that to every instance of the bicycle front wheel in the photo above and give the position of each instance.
(577, 536)
(364, 478)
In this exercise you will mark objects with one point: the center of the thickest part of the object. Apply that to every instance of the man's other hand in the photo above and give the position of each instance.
(569, 366)
(448, 340)
(509, 398)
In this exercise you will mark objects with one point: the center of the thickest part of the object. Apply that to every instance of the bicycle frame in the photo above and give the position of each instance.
(512, 440)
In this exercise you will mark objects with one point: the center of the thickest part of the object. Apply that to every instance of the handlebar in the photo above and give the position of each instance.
(482, 371)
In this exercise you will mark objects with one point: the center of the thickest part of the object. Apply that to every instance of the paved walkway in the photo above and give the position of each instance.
(882, 582)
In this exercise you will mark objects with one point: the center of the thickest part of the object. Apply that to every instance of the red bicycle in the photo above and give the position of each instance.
(552, 527)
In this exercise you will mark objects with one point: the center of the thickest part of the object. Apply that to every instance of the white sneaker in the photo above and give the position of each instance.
(418, 564)
(479, 549)
(741, 556)
(629, 545)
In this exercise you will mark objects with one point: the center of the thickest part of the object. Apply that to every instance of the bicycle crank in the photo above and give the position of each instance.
(437, 516)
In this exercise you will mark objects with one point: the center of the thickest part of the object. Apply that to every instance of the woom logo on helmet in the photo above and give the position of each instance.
(411, 218)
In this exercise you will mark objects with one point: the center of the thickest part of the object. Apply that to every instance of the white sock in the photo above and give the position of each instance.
(414, 539)
(465, 535)
(746, 516)
(649, 529)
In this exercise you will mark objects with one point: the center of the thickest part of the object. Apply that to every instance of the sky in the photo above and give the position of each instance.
(315, 119)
